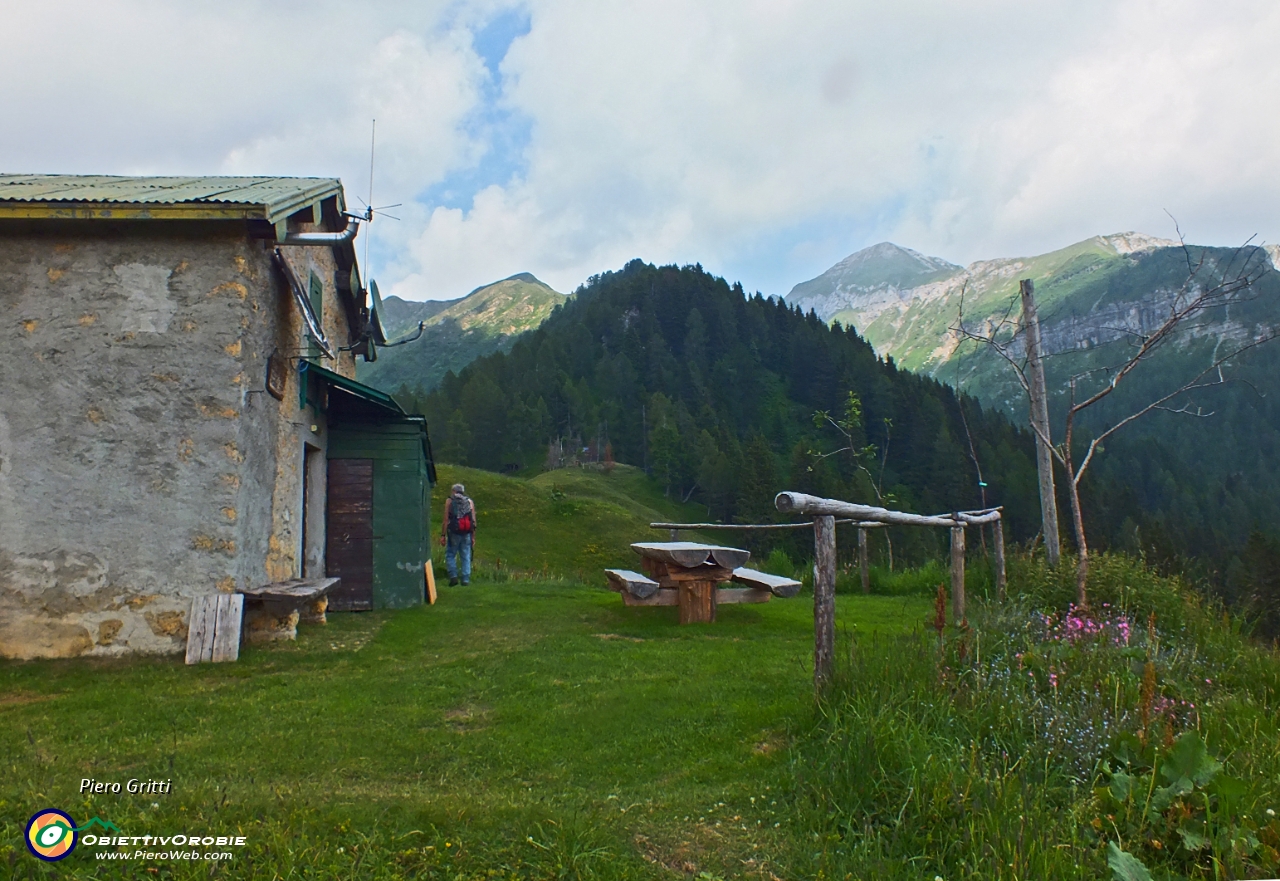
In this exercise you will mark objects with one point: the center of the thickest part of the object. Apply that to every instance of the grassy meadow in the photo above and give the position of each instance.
(571, 523)
(531, 726)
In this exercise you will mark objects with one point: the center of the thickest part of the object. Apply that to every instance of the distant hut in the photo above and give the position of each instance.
(180, 415)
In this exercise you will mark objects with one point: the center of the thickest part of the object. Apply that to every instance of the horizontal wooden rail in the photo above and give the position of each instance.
(800, 503)
(808, 524)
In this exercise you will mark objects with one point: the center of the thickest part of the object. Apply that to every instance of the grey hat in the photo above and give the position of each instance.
(459, 488)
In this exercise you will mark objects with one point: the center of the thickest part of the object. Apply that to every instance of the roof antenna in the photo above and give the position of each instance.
(369, 209)
(373, 137)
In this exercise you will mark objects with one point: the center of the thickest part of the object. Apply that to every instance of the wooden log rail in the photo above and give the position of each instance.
(755, 526)
(800, 503)
(824, 513)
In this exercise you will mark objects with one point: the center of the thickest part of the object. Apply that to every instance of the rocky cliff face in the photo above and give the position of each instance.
(1094, 293)
(878, 277)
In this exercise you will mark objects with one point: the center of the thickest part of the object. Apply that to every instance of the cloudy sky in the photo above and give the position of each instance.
(765, 140)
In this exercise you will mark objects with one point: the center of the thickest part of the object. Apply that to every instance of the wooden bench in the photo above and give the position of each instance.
(776, 585)
(631, 584)
(273, 611)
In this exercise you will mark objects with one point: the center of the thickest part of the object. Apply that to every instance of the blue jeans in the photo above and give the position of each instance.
(459, 546)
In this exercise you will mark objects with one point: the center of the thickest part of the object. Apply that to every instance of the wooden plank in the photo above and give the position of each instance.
(666, 596)
(776, 585)
(675, 576)
(228, 617)
(730, 595)
(300, 589)
(431, 582)
(730, 558)
(824, 599)
(631, 582)
(686, 554)
(689, 554)
(199, 629)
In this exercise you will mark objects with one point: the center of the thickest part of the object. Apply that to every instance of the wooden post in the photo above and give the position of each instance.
(998, 526)
(675, 534)
(863, 564)
(957, 573)
(697, 602)
(1040, 422)
(824, 599)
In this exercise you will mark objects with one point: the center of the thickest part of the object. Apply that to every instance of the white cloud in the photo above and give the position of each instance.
(763, 139)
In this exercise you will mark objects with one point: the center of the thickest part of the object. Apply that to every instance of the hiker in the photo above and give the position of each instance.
(458, 533)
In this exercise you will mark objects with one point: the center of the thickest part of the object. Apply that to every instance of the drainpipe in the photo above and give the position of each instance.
(320, 238)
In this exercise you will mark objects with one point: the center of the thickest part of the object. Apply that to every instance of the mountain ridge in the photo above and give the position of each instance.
(878, 272)
(456, 332)
(913, 324)
(1169, 486)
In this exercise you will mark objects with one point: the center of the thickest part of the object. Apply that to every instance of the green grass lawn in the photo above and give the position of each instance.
(518, 729)
(531, 726)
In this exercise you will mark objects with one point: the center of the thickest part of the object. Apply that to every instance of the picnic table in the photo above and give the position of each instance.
(689, 575)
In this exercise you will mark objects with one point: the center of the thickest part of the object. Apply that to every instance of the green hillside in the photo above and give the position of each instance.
(714, 394)
(457, 331)
(570, 522)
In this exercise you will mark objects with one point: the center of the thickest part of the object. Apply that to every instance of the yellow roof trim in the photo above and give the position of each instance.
(118, 211)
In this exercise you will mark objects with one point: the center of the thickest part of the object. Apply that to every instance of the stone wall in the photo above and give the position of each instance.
(142, 462)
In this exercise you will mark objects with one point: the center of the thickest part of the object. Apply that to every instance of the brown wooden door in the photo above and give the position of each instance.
(349, 533)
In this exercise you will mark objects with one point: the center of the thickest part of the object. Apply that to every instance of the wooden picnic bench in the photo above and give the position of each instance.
(689, 575)
(273, 611)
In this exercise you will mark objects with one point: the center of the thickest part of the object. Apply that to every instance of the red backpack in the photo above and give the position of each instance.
(461, 521)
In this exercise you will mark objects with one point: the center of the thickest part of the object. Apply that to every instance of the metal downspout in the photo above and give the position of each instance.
(321, 238)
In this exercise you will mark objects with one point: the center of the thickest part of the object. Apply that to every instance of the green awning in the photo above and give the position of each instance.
(359, 389)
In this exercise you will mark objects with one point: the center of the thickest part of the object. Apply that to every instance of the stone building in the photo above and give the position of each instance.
(178, 375)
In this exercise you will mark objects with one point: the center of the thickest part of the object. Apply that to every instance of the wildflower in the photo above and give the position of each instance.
(1271, 812)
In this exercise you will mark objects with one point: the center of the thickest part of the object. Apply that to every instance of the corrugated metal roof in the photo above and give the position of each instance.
(273, 197)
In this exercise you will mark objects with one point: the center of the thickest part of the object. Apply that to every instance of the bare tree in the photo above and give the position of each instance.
(1208, 285)
(847, 424)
